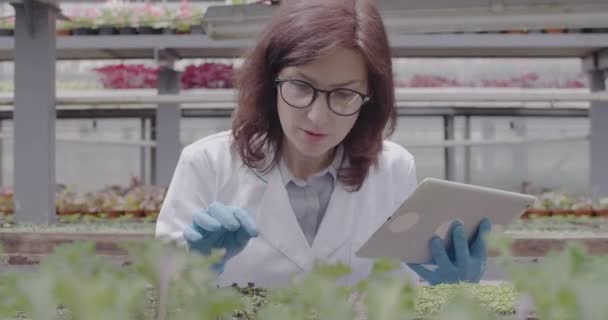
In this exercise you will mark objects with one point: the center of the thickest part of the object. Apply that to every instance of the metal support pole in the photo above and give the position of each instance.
(449, 132)
(520, 153)
(143, 172)
(152, 154)
(488, 132)
(1, 158)
(467, 150)
(168, 116)
(34, 115)
(597, 65)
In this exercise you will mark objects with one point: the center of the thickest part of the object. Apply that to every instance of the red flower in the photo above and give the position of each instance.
(128, 76)
(208, 75)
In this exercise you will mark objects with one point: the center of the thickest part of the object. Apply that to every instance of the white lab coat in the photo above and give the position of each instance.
(208, 171)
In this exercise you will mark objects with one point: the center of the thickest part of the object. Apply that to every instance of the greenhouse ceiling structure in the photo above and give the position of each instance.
(432, 28)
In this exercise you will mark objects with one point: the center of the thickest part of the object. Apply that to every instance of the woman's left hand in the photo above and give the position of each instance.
(461, 262)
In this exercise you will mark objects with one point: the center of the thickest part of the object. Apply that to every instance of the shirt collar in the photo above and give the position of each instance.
(332, 169)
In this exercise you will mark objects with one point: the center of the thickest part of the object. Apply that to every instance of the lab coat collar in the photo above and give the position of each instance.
(332, 169)
(279, 227)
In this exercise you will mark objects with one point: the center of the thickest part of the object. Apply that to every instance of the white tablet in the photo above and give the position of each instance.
(432, 208)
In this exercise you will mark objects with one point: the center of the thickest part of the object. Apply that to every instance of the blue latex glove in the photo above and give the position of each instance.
(220, 226)
(461, 262)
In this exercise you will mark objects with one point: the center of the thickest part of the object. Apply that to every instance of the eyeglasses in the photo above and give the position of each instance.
(301, 94)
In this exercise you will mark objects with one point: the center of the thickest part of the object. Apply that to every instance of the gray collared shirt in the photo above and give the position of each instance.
(309, 199)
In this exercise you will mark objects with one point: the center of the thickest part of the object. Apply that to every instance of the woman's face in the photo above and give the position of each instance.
(313, 131)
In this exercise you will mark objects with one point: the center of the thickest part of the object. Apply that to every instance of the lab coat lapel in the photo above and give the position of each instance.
(278, 224)
(337, 225)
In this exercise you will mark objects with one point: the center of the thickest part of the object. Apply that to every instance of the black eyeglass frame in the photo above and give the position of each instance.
(365, 98)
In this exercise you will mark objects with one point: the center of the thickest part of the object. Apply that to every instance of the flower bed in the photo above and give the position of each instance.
(26, 243)
(561, 204)
(219, 75)
(128, 76)
(139, 76)
(208, 75)
(135, 200)
(527, 80)
(126, 19)
(139, 201)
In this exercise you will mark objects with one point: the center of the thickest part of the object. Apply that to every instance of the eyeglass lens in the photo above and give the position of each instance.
(299, 94)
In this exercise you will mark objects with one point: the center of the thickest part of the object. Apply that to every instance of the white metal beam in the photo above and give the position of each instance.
(462, 96)
(226, 98)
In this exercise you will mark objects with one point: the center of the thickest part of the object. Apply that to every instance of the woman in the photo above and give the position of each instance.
(305, 173)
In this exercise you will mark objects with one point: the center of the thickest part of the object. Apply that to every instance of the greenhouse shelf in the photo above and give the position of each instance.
(430, 45)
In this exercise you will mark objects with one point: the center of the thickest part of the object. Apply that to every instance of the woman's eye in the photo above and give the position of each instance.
(300, 88)
(344, 95)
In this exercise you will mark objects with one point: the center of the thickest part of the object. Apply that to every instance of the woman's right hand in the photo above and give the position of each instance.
(220, 227)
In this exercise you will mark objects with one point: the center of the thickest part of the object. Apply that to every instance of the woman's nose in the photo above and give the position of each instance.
(319, 111)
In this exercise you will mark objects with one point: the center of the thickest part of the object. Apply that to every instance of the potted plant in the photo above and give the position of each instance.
(583, 208)
(7, 26)
(107, 21)
(150, 20)
(63, 28)
(153, 200)
(112, 204)
(169, 21)
(538, 209)
(68, 203)
(554, 31)
(93, 201)
(518, 31)
(83, 25)
(124, 20)
(196, 21)
(188, 19)
(558, 203)
(181, 26)
(602, 208)
(133, 203)
(7, 201)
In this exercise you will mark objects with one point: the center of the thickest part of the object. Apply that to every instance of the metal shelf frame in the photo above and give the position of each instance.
(430, 45)
(35, 48)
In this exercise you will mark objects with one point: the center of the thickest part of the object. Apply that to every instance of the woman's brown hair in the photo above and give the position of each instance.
(299, 32)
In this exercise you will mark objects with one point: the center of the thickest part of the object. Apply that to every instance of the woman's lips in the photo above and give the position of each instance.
(314, 136)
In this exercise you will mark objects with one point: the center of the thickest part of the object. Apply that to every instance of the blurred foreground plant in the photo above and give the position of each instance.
(163, 281)
(570, 284)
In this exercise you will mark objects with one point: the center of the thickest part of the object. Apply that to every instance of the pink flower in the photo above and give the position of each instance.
(7, 192)
(184, 9)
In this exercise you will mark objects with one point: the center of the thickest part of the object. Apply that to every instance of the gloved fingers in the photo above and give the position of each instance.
(478, 247)
(225, 215)
(246, 222)
(192, 235)
(460, 243)
(203, 220)
(241, 237)
(439, 254)
(422, 271)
